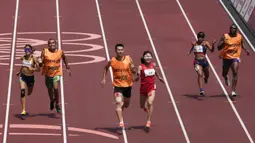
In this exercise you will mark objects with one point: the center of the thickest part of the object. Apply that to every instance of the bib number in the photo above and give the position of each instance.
(149, 72)
(53, 68)
(124, 77)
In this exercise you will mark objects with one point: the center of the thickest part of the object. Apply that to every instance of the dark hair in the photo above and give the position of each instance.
(118, 45)
(144, 53)
(201, 34)
(233, 26)
(30, 46)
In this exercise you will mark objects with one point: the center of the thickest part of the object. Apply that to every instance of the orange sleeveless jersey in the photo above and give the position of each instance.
(122, 75)
(233, 47)
(52, 63)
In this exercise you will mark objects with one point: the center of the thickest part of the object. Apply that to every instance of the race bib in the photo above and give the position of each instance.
(149, 72)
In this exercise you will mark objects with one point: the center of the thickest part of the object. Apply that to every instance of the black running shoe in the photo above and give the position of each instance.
(51, 105)
(58, 108)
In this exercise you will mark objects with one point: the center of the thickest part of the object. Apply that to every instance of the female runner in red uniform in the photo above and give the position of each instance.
(146, 71)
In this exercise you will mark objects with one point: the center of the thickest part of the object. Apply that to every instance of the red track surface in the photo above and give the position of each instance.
(88, 106)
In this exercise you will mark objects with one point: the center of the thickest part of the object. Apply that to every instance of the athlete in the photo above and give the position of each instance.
(51, 69)
(26, 75)
(123, 70)
(230, 47)
(146, 71)
(201, 65)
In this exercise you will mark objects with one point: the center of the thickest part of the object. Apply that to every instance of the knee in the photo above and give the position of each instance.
(200, 75)
(126, 104)
(235, 75)
(55, 90)
(149, 103)
(119, 106)
(23, 93)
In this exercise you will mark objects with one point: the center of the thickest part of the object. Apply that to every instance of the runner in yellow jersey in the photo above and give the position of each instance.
(230, 47)
(51, 69)
(123, 68)
(26, 75)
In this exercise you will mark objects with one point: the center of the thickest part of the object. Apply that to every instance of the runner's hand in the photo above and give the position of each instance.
(247, 52)
(18, 73)
(161, 79)
(103, 82)
(69, 72)
(214, 41)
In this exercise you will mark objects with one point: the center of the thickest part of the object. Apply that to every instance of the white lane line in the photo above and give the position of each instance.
(163, 74)
(217, 77)
(11, 72)
(61, 80)
(107, 55)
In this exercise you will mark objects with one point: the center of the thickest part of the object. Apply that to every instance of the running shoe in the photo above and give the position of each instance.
(202, 92)
(148, 126)
(23, 113)
(51, 105)
(233, 93)
(120, 128)
(58, 108)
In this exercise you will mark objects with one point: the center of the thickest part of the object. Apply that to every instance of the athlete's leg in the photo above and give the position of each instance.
(226, 64)
(150, 99)
(206, 73)
(143, 104)
(127, 96)
(234, 68)
(200, 77)
(119, 108)
(23, 88)
(30, 87)
(56, 92)
(49, 85)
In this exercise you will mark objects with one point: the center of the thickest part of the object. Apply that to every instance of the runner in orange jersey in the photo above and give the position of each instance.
(51, 69)
(230, 47)
(26, 75)
(123, 70)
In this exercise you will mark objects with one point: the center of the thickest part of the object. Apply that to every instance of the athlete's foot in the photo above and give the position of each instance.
(206, 80)
(23, 113)
(51, 105)
(233, 93)
(148, 126)
(202, 92)
(58, 108)
(120, 127)
(227, 82)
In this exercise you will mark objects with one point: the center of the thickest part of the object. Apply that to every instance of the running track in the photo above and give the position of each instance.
(89, 109)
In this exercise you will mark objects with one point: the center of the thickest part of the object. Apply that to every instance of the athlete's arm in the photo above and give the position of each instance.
(209, 46)
(157, 75)
(36, 64)
(18, 73)
(221, 43)
(138, 73)
(242, 45)
(132, 66)
(191, 49)
(42, 59)
(106, 68)
(65, 60)
(66, 63)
